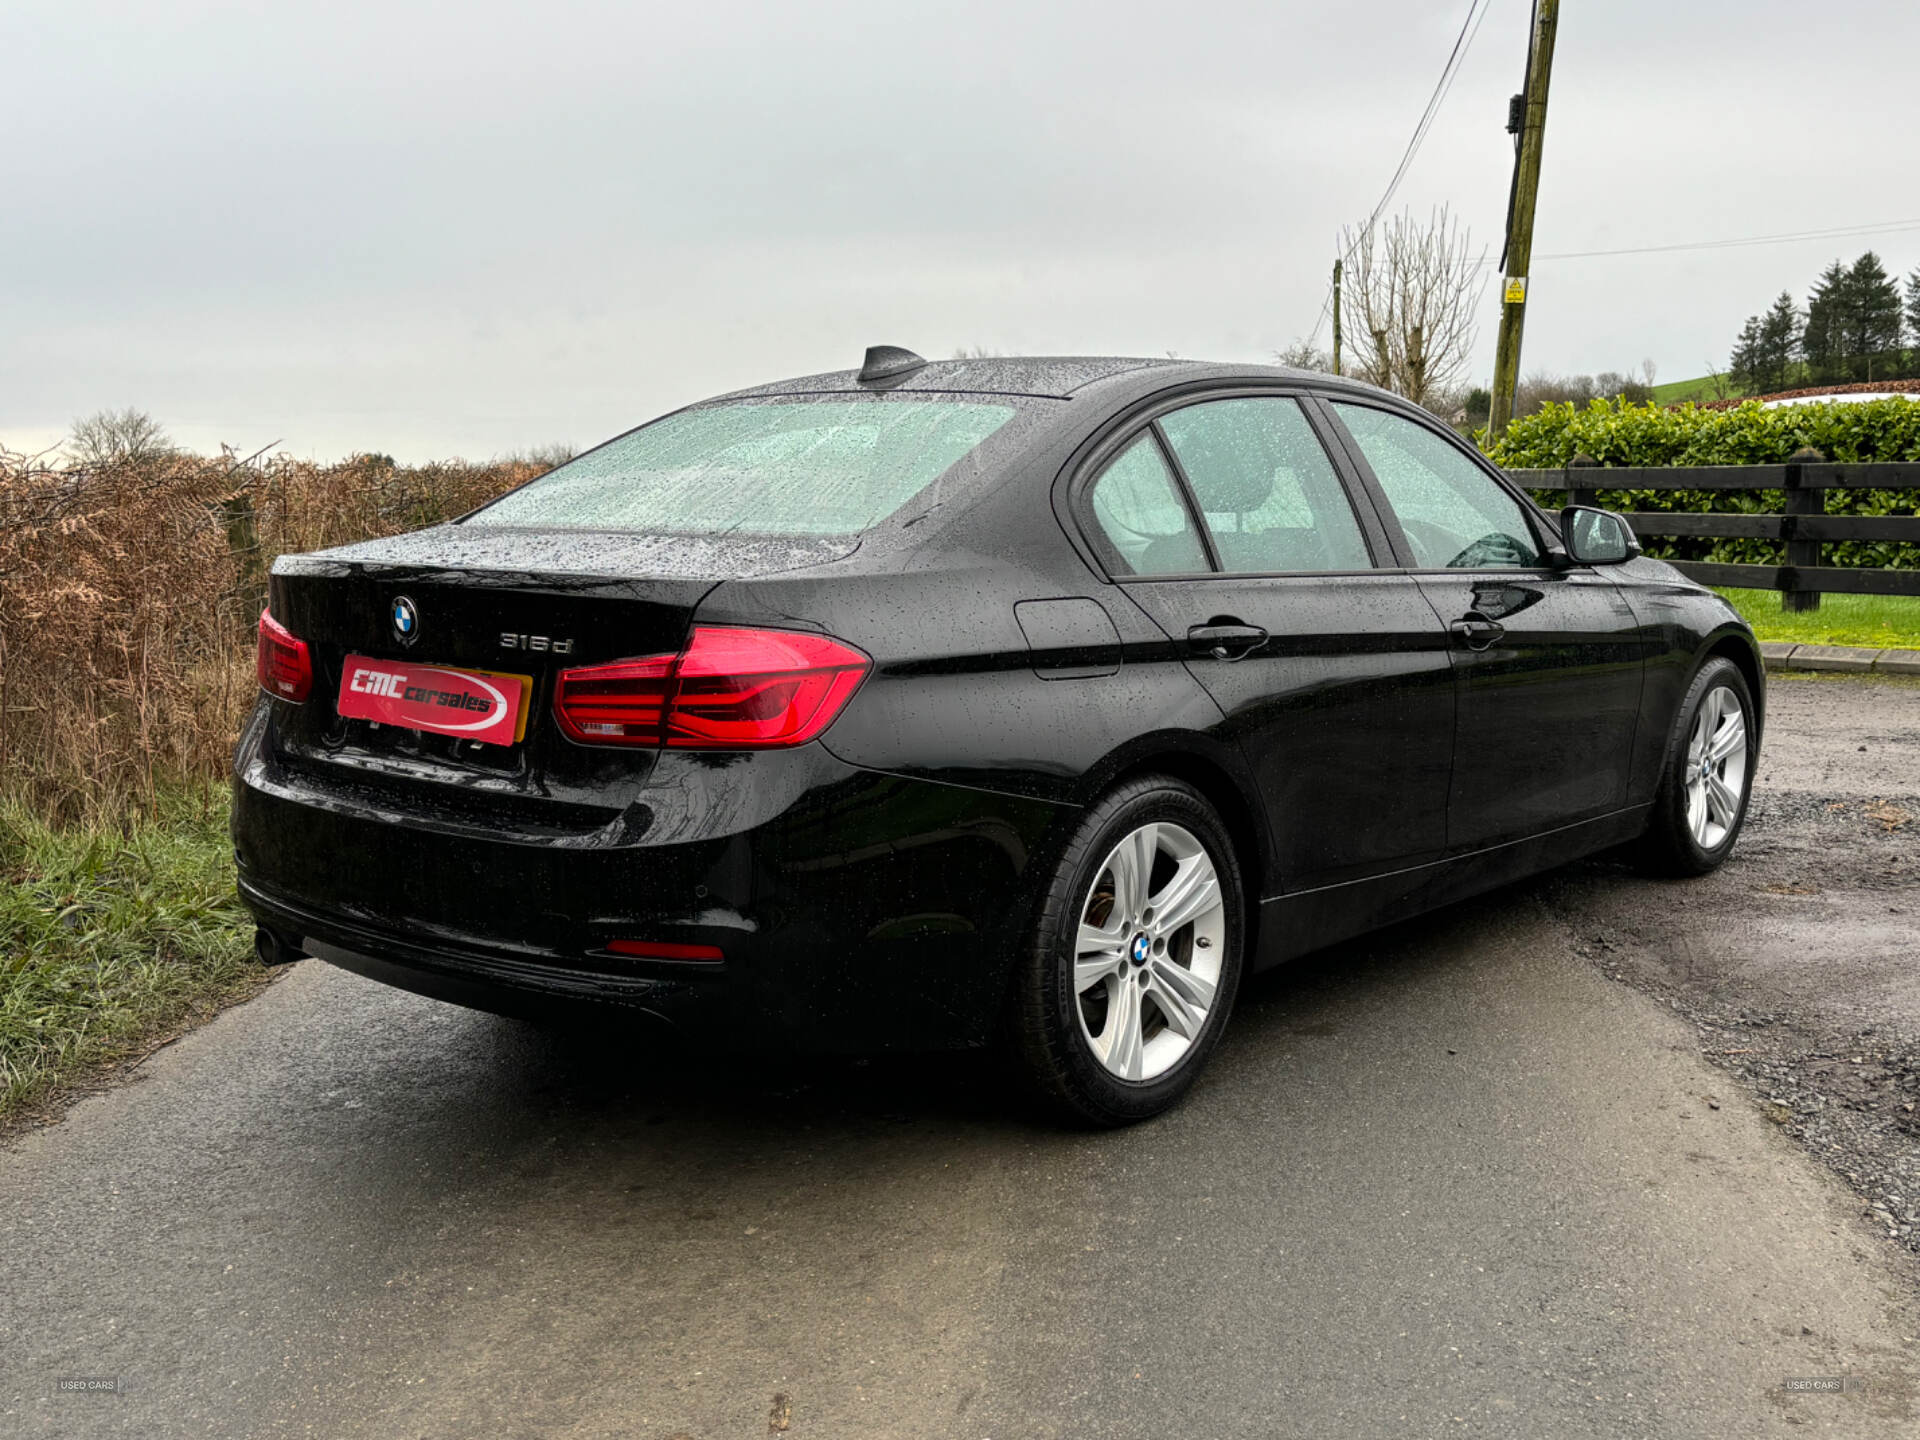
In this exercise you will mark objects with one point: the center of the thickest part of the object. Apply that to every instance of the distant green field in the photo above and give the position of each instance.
(1701, 387)
(1887, 622)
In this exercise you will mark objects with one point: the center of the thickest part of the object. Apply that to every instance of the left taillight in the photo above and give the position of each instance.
(282, 662)
(732, 688)
(619, 704)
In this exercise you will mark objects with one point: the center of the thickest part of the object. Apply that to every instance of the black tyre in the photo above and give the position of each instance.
(1135, 955)
(1708, 775)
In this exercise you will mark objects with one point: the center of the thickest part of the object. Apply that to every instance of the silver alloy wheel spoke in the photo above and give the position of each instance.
(1731, 736)
(1194, 990)
(1133, 872)
(1192, 891)
(1147, 959)
(1091, 970)
(1102, 952)
(1716, 778)
(1180, 998)
(1122, 1032)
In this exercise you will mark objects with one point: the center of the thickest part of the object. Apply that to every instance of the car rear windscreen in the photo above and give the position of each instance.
(832, 466)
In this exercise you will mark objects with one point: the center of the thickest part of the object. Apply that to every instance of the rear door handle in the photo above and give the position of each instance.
(1476, 632)
(1227, 640)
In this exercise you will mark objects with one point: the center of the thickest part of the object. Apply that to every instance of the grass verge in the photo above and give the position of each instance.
(112, 942)
(1883, 622)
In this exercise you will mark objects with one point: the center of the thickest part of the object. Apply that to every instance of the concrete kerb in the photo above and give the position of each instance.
(1857, 659)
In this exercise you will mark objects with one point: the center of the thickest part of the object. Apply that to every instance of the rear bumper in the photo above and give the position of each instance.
(855, 911)
(529, 984)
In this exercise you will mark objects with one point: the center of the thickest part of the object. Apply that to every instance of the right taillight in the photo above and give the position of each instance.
(282, 662)
(732, 688)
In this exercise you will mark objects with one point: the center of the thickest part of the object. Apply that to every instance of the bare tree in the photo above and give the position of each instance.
(549, 457)
(1303, 354)
(110, 435)
(1412, 290)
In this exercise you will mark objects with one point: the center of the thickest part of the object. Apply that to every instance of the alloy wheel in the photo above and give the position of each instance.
(1716, 767)
(1147, 960)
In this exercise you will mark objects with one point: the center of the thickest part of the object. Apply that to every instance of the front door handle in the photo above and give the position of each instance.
(1225, 640)
(1476, 632)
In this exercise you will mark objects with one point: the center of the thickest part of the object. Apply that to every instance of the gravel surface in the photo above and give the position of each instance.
(1799, 962)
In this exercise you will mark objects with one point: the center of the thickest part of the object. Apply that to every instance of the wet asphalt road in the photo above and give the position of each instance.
(1450, 1180)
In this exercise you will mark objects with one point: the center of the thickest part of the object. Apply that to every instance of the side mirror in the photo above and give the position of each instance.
(1597, 537)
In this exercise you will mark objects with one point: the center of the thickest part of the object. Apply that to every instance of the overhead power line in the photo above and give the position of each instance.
(1462, 43)
(1838, 232)
(1886, 227)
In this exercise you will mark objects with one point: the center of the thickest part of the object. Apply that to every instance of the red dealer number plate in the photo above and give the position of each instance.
(473, 704)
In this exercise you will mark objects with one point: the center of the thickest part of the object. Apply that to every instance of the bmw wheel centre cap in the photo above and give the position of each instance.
(405, 619)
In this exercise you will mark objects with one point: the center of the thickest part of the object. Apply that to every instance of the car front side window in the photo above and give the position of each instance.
(1454, 515)
(1138, 508)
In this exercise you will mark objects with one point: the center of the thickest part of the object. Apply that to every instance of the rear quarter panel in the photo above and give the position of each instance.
(956, 695)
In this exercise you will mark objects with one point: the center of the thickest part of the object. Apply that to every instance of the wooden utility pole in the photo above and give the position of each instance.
(1526, 190)
(1336, 316)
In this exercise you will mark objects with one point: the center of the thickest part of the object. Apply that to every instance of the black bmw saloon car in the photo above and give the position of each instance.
(1021, 701)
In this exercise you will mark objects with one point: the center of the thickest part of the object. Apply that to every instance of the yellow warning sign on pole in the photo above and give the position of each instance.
(1516, 289)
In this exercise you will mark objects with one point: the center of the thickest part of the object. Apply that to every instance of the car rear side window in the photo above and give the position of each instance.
(1271, 498)
(1138, 507)
(789, 467)
(1454, 515)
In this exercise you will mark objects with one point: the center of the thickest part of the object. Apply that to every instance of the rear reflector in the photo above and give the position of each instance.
(662, 950)
(730, 689)
(282, 662)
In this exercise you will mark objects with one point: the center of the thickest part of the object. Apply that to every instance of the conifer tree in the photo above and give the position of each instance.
(1744, 366)
(1823, 339)
(1913, 320)
(1777, 344)
(1873, 319)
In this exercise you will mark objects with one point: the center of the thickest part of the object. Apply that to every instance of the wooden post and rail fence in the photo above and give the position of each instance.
(1806, 479)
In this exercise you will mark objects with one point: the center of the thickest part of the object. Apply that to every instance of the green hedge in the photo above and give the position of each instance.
(1617, 433)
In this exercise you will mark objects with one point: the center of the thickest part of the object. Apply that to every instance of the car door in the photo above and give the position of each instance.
(1228, 522)
(1546, 655)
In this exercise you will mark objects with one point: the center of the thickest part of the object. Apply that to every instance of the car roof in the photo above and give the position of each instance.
(1842, 397)
(1042, 376)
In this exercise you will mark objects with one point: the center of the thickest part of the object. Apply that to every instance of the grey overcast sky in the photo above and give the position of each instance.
(443, 229)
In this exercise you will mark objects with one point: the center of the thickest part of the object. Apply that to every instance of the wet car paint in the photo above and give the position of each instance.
(869, 889)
